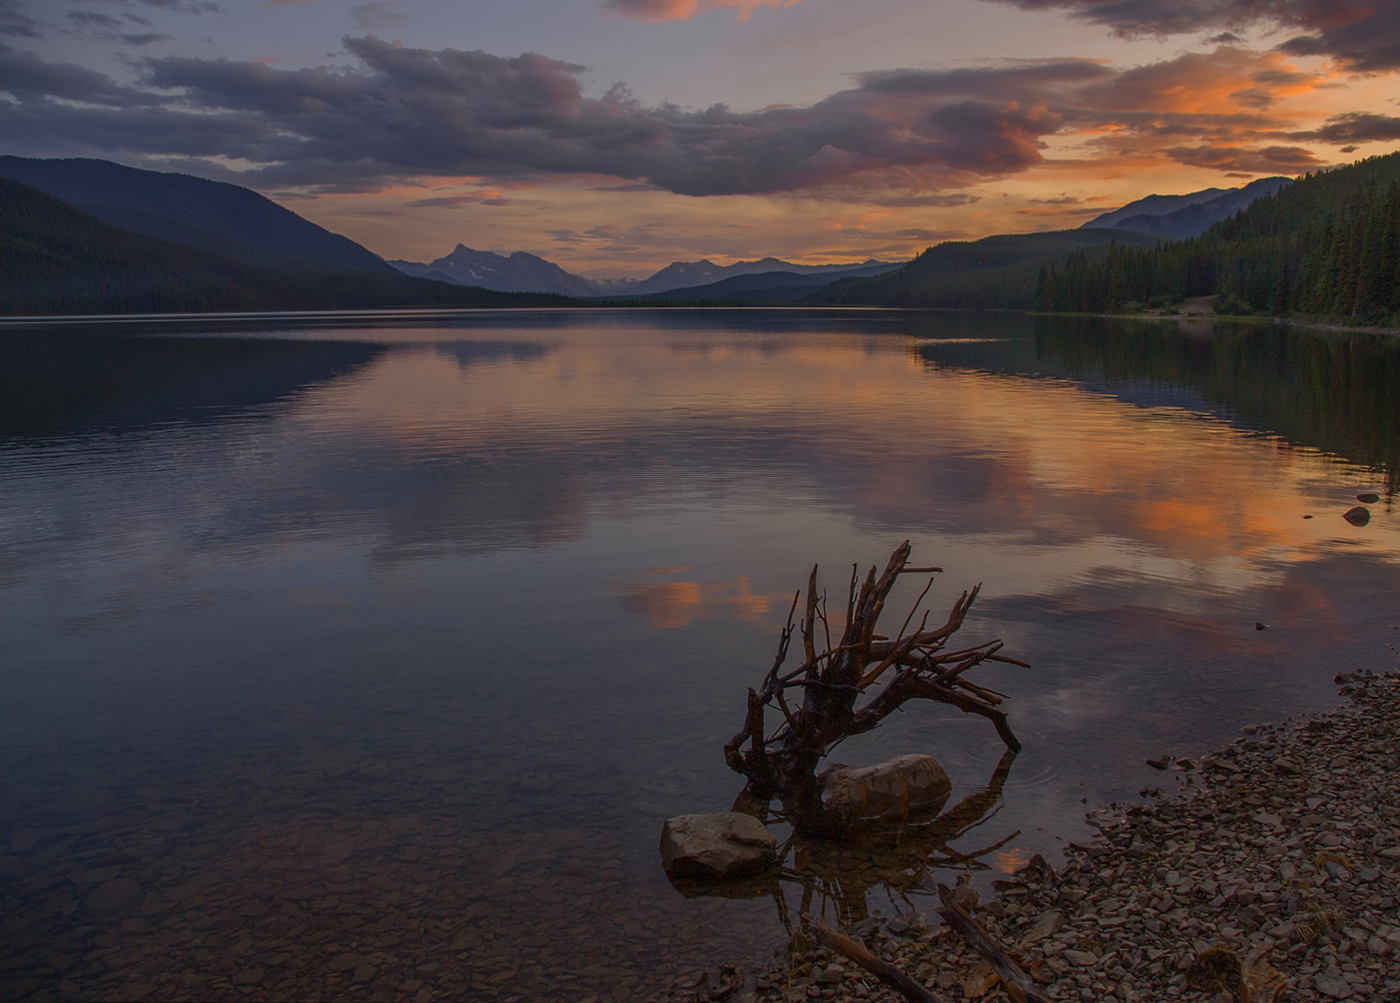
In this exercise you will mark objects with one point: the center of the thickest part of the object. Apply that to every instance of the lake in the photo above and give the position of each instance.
(362, 657)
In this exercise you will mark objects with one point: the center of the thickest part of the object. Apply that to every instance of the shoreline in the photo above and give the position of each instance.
(1284, 849)
(1207, 317)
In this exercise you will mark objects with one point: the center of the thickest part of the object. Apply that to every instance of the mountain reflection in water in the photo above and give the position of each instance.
(375, 650)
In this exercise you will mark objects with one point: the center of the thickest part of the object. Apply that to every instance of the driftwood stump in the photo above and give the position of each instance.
(915, 665)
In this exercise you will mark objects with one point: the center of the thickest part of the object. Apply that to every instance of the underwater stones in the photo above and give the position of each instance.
(445, 933)
(1358, 516)
(112, 898)
(1368, 497)
(718, 845)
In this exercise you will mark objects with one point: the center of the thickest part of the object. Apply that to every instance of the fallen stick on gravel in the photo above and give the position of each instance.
(1018, 985)
(860, 954)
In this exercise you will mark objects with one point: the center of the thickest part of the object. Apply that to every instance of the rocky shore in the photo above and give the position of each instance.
(1279, 859)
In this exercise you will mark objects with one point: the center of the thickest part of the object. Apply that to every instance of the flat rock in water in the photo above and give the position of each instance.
(892, 790)
(112, 898)
(1368, 497)
(1358, 516)
(719, 845)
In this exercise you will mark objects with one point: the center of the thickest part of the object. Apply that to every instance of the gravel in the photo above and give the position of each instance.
(1284, 847)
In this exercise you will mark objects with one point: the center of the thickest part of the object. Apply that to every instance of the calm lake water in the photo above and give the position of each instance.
(367, 655)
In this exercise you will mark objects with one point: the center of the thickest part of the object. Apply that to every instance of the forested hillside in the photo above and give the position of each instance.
(994, 273)
(208, 215)
(57, 259)
(1327, 246)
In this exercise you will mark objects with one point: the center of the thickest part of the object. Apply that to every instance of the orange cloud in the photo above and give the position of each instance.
(652, 11)
(1213, 83)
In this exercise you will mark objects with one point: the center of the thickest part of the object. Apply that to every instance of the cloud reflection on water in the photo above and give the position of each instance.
(675, 604)
(584, 531)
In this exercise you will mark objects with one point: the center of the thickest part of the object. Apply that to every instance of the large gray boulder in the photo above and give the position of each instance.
(724, 844)
(890, 792)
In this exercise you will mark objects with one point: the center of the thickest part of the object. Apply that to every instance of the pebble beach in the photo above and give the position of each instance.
(1276, 866)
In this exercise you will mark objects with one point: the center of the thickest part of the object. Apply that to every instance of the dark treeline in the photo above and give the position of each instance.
(1327, 246)
(994, 273)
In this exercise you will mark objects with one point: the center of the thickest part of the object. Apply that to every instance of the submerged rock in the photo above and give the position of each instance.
(891, 791)
(112, 898)
(723, 844)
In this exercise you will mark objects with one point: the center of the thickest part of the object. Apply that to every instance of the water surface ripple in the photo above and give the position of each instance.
(367, 655)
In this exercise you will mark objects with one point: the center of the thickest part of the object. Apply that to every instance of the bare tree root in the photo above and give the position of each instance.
(919, 665)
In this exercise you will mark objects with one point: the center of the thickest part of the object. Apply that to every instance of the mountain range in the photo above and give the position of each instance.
(84, 235)
(58, 259)
(693, 274)
(779, 286)
(520, 272)
(1181, 216)
(524, 272)
(995, 272)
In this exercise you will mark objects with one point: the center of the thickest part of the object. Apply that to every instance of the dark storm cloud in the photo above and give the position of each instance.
(15, 22)
(1269, 160)
(409, 113)
(25, 76)
(1362, 34)
(89, 18)
(413, 112)
(180, 6)
(1367, 45)
(1356, 127)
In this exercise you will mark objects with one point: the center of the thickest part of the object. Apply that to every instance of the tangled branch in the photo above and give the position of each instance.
(914, 665)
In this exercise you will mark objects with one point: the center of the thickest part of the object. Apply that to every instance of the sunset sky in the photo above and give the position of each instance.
(615, 136)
